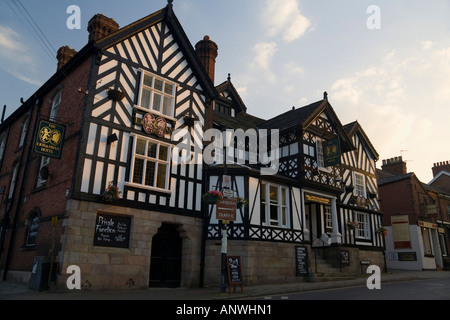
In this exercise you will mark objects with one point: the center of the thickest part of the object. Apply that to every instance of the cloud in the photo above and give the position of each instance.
(263, 54)
(15, 58)
(284, 17)
(401, 101)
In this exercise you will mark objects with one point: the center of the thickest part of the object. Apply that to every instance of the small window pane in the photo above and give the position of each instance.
(152, 147)
(146, 96)
(167, 106)
(158, 85)
(138, 170)
(273, 194)
(283, 196)
(168, 88)
(148, 80)
(157, 102)
(32, 232)
(161, 180)
(163, 153)
(140, 147)
(150, 174)
(274, 215)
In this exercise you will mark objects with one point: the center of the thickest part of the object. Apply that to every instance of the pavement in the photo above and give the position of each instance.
(11, 291)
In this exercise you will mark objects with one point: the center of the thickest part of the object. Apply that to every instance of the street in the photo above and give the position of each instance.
(432, 289)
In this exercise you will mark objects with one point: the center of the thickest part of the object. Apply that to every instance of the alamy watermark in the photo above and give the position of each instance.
(229, 147)
(374, 20)
(74, 20)
(374, 281)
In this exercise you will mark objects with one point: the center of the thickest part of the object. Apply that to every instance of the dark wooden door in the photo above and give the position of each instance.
(165, 265)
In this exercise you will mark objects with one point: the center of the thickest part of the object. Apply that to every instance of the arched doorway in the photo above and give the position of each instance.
(165, 265)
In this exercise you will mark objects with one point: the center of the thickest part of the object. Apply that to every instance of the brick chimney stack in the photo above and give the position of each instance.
(63, 55)
(440, 166)
(208, 51)
(395, 166)
(100, 26)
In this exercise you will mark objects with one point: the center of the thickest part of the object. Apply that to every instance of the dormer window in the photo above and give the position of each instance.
(224, 109)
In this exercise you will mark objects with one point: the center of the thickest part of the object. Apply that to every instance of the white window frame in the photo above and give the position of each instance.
(32, 231)
(283, 216)
(45, 161)
(56, 103)
(319, 156)
(155, 160)
(360, 189)
(25, 123)
(362, 231)
(14, 178)
(2, 145)
(163, 94)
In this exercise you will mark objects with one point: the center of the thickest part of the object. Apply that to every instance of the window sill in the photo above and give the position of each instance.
(156, 113)
(140, 186)
(28, 248)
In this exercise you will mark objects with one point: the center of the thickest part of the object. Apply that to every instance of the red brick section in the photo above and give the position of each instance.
(51, 199)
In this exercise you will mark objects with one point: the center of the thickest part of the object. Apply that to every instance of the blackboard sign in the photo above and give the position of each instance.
(345, 257)
(301, 261)
(112, 231)
(234, 272)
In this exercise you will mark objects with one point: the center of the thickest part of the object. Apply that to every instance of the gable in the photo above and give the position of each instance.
(155, 49)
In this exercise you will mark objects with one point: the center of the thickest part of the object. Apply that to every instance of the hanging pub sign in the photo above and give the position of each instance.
(331, 152)
(49, 139)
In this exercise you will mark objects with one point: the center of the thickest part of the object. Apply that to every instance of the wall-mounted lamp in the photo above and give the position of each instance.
(112, 138)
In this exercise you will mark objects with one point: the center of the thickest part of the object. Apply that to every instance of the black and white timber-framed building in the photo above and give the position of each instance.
(148, 91)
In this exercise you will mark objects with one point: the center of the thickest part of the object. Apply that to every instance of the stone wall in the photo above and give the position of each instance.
(121, 268)
(262, 262)
(274, 262)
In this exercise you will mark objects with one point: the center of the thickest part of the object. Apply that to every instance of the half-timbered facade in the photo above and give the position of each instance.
(147, 135)
(324, 185)
(149, 92)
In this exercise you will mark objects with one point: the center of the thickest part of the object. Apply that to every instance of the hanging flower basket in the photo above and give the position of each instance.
(116, 95)
(382, 230)
(212, 197)
(112, 193)
(351, 225)
(241, 202)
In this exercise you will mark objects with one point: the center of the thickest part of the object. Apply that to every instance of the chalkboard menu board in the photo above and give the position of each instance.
(112, 231)
(301, 261)
(345, 257)
(234, 270)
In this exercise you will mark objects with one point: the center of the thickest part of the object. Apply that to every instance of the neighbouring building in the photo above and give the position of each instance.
(105, 166)
(416, 216)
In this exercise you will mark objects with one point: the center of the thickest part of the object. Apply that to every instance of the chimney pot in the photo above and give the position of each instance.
(207, 52)
(394, 165)
(101, 26)
(63, 55)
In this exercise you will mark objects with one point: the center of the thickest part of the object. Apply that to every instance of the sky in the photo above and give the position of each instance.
(385, 63)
